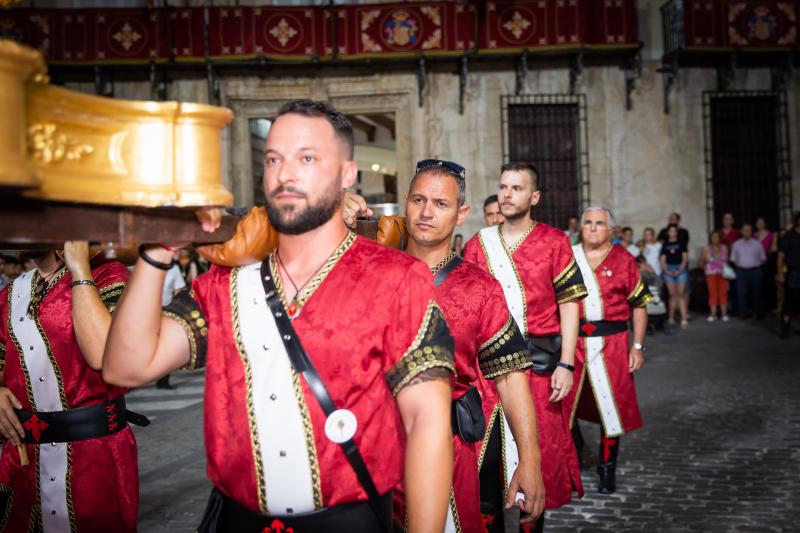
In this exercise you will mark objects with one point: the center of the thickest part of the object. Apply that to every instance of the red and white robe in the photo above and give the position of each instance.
(605, 392)
(370, 323)
(536, 274)
(88, 485)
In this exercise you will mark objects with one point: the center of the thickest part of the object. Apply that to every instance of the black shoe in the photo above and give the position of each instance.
(608, 478)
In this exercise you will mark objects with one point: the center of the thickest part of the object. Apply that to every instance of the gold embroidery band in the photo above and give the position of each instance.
(565, 275)
(432, 347)
(640, 296)
(575, 292)
(505, 352)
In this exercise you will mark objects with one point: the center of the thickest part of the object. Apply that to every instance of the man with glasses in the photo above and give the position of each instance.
(328, 364)
(542, 285)
(489, 346)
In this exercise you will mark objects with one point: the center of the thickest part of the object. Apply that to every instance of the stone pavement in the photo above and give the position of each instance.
(720, 449)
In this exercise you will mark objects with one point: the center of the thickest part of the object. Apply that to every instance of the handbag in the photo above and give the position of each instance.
(545, 353)
(728, 272)
(468, 419)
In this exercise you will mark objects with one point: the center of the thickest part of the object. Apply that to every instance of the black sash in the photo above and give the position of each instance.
(224, 514)
(601, 328)
(303, 365)
(442, 274)
(82, 423)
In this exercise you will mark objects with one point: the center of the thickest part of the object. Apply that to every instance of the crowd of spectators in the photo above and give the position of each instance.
(745, 267)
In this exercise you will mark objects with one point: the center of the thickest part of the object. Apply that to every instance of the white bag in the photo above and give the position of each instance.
(728, 272)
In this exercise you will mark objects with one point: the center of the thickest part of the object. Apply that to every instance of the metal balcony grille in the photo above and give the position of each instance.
(747, 159)
(550, 131)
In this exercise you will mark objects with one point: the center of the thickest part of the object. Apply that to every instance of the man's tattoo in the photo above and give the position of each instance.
(432, 374)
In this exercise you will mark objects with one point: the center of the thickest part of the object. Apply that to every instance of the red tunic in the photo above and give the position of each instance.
(478, 318)
(368, 321)
(101, 488)
(546, 268)
(620, 288)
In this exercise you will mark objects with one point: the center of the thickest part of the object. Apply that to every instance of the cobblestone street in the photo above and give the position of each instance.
(720, 449)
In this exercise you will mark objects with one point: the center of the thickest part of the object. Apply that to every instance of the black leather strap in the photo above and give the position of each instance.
(442, 274)
(302, 363)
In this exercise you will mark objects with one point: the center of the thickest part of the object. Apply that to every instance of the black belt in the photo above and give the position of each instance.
(602, 328)
(77, 424)
(225, 514)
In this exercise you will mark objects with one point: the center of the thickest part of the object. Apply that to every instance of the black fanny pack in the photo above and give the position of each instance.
(224, 514)
(82, 423)
(468, 420)
(602, 328)
(545, 353)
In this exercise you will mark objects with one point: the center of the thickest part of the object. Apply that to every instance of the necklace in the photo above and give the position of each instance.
(40, 287)
(293, 310)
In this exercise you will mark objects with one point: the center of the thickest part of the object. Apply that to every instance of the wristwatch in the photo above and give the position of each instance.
(638, 346)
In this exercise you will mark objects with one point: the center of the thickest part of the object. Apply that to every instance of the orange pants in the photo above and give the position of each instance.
(717, 290)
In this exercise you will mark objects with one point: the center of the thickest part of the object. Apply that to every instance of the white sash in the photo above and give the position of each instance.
(53, 457)
(282, 439)
(503, 269)
(595, 363)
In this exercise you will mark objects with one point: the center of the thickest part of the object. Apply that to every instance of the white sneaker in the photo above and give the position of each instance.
(711, 318)
(726, 318)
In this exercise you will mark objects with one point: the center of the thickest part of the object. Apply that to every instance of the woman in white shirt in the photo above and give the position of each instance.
(652, 250)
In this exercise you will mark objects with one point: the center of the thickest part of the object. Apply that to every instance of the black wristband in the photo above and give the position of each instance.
(566, 365)
(82, 282)
(152, 262)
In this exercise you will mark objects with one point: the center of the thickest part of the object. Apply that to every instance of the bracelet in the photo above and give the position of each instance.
(152, 262)
(82, 282)
(566, 365)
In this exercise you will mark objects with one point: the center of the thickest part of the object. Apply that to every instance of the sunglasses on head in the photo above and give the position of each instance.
(449, 166)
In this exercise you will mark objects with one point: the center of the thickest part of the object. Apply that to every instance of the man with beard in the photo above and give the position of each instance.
(488, 344)
(615, 287)
(69, 460)
(322, 361)
(542, 285)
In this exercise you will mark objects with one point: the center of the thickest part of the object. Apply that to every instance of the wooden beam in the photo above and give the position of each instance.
(383, 121)
(364, 126)
(28, 224)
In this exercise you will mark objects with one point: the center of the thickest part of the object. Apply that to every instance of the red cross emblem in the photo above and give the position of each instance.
(588, 329)
(35, 426)
(487, 520)
(277, 527)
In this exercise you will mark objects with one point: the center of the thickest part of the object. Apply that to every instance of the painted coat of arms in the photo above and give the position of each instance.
(762, 24)
(401, 29)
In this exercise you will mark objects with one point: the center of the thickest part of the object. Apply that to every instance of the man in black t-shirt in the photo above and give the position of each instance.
(789, 256)
(683, 233)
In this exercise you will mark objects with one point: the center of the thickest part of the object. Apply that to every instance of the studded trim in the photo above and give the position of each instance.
(432, 347)
(505, 352)
(640, 296)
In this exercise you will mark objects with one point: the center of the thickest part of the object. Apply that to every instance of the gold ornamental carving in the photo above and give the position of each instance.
(49, 145)
(63, 145)
(9, 3)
